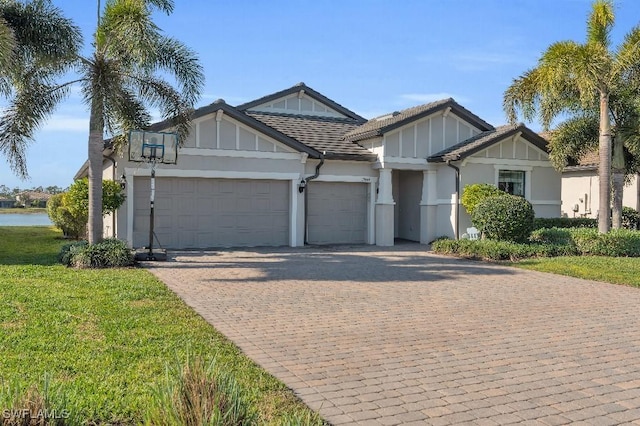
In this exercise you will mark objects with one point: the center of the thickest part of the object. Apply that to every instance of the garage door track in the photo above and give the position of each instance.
(399, 336)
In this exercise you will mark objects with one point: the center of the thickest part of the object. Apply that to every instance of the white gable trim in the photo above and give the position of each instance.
(507, 162)
(203, 152)
(293, 105)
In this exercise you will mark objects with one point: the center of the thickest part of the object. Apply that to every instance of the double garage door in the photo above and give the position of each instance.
(202, 213)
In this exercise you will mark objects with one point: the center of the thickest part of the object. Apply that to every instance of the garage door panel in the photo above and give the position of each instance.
(200, 213)
(337, 213)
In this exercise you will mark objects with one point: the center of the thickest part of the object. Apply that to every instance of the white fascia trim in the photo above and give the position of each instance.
(405, 160)
(346, 178)
(516, 167)
(508, 162)
(203, 152)
(293, 213)
(212, 174)
(546, 202)
(386, 164)
(129, 178)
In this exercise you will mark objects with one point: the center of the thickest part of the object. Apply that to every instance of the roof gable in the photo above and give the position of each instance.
(485, 139)
(302, 100)
(248, 121)
(383, 124)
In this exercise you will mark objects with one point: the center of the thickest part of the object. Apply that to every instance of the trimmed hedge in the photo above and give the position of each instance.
(504, 217)
(564, 222)
(499, 250)
(547, 243)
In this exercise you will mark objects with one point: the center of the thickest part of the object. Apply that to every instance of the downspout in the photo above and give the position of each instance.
(306, 188)
(457, 205)
(113, 177)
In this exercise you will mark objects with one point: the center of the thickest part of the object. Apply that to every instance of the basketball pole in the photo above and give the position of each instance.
(150, 255)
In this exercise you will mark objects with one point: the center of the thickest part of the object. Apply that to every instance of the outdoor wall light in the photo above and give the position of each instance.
(302, 185)
(123, 181)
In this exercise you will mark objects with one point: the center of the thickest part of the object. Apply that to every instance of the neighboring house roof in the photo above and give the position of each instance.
(309, 92)
(33, 195)
(483, 140)
(324, 134)
(383, 124)
(589, 161)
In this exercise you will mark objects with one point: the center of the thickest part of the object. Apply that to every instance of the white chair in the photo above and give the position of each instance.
(472, 234)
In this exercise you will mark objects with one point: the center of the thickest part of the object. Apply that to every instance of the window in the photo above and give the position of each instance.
(511, 181)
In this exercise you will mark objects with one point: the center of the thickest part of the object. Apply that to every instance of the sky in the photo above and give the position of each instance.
(371, 56)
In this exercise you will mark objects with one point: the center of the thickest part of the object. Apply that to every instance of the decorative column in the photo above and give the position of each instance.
(385, 209)
(428, 207)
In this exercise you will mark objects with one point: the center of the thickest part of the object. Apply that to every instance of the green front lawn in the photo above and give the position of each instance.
(616, 270)
(106, 336)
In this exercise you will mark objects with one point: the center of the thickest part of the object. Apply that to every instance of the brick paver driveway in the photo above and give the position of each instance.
(373, 336)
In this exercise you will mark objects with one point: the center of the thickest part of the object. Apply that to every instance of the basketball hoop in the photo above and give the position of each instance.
(153, 148)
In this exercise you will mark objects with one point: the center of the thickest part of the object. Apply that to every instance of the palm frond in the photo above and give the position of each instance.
(44, 36)
(600, 23)
(26, 112)
(173, 56)
(627, 56)
(573, 138)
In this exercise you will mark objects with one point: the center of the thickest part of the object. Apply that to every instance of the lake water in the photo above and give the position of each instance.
(17, 219)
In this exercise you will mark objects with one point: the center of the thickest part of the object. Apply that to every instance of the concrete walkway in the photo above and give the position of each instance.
(399, 336)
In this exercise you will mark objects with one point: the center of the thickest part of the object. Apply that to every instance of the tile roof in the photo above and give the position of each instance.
(320, 133)
(380, 125)
(483, 140)
(590, 159)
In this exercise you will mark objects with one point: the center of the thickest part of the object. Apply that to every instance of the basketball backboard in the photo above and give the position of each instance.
(159, 147)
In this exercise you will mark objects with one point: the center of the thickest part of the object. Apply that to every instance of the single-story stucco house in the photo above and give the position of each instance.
(580, 189)
(295, 167)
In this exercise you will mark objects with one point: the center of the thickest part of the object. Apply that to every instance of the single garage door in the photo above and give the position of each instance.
(201, 213)
(337, 213)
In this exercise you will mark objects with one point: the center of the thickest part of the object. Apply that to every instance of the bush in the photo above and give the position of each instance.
(504, 217)
(69, 211)
(617, 242)
(71, 225)
(500, 250)
(630, 218)
(551, 236)
(564, 222)
(109, 253)
(473, 194)
(199, 393)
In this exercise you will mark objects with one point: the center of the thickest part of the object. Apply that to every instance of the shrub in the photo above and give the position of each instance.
(68, 251)
(630, 218)
(500, 250)
(564, 222)
(473, 194)
(552, 236)
(504, 217)
(69, 211)
(198, 393)
(109, 253)
(617, 242)
(71, 225)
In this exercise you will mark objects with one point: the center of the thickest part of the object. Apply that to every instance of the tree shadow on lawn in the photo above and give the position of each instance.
(401, 263)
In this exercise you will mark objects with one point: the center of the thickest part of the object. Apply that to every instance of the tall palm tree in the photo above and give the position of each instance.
(133, 68)
(571, 77)
(37, 44)
(126, 76)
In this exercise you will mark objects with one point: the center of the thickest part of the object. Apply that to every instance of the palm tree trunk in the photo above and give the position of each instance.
(604, 169)
(96, 142)
(617, 169)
